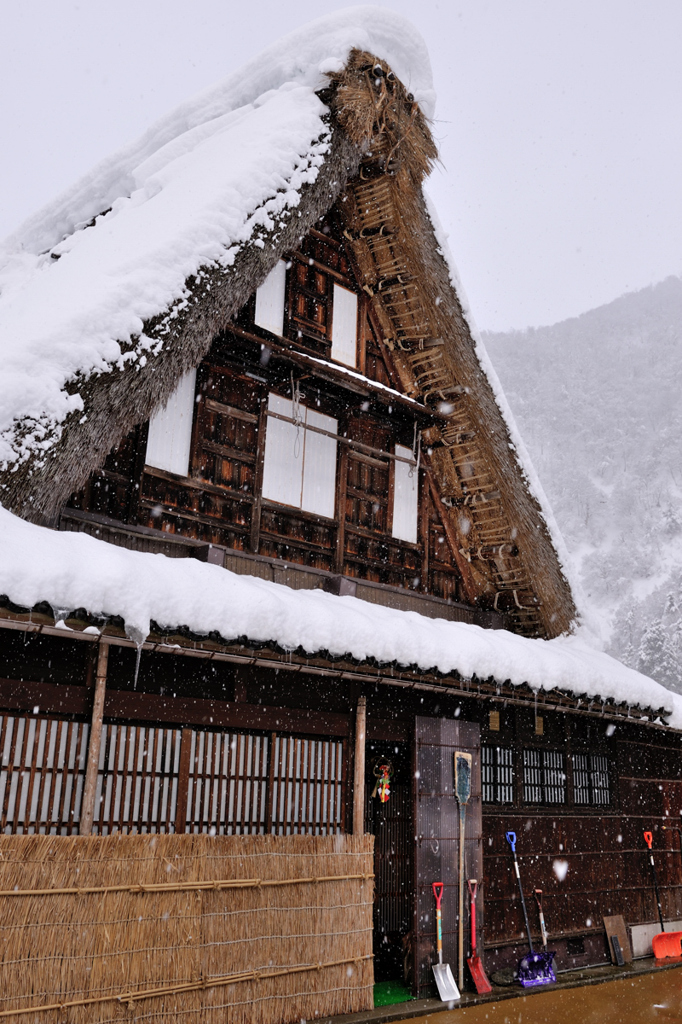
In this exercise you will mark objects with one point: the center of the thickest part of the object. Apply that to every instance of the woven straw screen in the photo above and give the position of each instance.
(258, 929)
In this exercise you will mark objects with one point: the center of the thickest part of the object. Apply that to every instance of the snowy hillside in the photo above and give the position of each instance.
(598, 400)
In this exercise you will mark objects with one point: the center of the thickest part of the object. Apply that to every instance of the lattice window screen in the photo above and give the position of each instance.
(137, 785)
(497, 775)
(41, 774)
(307, 786)
(227, 783)
(544, 777)
(591, 779)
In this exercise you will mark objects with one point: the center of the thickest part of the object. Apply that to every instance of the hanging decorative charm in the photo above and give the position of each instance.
(383, 772)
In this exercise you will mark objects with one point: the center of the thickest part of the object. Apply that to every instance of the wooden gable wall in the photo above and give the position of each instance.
(220, 501)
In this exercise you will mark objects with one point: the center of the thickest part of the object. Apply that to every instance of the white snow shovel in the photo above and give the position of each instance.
(447, 989)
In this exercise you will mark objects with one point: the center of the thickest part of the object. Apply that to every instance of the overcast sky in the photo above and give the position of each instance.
(558, 125)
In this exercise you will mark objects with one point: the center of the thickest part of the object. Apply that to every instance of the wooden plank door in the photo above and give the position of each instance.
(437, 838)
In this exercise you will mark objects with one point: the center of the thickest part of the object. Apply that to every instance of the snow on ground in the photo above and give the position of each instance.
(597, 399)
(188, 194)
(73, 570)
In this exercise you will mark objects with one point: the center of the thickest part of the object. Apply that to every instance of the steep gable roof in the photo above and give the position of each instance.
(112, 295)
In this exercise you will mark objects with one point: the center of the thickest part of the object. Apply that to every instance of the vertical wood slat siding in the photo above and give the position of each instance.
(437, 839)
(308, 786)
(42, 768)
(137, 785)
(391, 824)
(153, 779)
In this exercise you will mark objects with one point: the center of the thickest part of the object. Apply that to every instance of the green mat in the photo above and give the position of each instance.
(388, 992)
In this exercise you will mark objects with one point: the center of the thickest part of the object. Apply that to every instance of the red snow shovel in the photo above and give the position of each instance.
(665, 943)
(474, 961)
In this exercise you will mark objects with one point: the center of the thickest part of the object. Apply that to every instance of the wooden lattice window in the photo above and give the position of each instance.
(497, 775)
(41, 774)
(137, 784)
(591, 780)
(165, 779)
(310, 304)
(250, 783)
(544, 777)
(307, 786)
(228, 780)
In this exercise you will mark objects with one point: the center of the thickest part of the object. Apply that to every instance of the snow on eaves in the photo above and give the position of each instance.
(73, 570)
(74, 294)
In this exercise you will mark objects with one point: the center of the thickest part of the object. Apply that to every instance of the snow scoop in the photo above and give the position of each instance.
(475, 963)
(648, 839)
(534, 968)
(543, 929)
(447, 989)
(665, 943)
(462, 792)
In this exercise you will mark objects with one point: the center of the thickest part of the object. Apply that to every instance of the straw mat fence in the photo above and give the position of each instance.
(254, 929)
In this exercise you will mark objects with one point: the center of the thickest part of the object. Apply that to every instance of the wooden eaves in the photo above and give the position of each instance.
(267, 655)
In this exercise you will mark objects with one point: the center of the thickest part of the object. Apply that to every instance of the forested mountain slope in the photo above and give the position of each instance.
(598, 401)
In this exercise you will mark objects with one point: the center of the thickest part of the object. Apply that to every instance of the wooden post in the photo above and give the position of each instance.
(90, 787)
(359, 770)
(183, 782)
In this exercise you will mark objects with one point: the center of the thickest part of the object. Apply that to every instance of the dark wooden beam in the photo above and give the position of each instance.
(258, 476)
(125, 705)
(341, 491)
(349, 380)
(468, 581)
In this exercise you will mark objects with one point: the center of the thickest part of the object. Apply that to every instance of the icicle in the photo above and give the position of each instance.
(138, 647)
(139, 639)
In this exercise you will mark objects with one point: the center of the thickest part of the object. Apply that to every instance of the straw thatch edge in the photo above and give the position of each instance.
(364, 121)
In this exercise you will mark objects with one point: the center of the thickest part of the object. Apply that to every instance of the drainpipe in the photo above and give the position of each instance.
(359, 774)
(90, 785)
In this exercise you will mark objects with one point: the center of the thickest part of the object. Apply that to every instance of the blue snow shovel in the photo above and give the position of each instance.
(534, 968)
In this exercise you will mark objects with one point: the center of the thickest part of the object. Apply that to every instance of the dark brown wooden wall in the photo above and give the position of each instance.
(608, 870)
(220, 501)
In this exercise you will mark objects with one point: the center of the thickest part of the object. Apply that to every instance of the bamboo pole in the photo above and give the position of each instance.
(359, 772)
(215, 981)
(218, 885)
(90, 785)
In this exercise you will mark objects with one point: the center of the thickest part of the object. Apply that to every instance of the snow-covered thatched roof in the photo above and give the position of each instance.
(84, 279)
(113, 292)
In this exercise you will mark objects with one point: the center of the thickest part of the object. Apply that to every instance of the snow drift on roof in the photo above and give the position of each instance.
(73, 570)
(80, 277)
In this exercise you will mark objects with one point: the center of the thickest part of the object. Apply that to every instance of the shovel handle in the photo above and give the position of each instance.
(438, 893)
(511, 839)
(648, 838)
(473, 885)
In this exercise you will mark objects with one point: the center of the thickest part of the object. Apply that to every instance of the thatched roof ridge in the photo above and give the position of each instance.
(379, 151)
